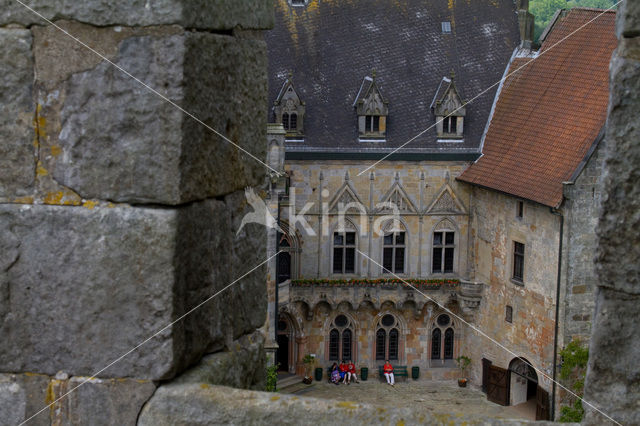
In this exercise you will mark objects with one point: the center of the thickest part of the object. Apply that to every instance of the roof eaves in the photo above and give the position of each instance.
(587, 157)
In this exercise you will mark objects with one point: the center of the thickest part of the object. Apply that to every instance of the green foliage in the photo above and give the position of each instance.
(272, 378)
(544, 10)
(574, 368)
(463, 363)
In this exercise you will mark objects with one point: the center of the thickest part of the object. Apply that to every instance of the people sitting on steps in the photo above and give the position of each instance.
(387, 368)
(335, 374)
(343, 372)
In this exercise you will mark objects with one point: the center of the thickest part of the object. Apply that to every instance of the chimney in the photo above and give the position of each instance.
(525, 23)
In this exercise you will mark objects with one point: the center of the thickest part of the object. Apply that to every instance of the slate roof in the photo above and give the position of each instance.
(550, 113)
(330, 46)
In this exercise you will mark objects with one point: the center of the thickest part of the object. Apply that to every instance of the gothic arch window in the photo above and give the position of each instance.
(388, 338)
(443, 338)
(341, 339)
(449, 109)
(289, 110)
(288, 260)
(394, 252)
(372, 110)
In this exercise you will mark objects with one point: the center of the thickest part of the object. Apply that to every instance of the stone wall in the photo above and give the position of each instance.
(581, 208)
(530, 334)
(613, 381)
(118, 212)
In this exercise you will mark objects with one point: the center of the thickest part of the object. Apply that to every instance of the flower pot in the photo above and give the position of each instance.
(462, 383)
(307, 380)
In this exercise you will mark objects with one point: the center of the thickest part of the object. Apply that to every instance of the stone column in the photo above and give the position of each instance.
(119, 212)
(613, 382)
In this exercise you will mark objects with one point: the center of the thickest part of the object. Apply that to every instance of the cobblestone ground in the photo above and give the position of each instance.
(438, 397)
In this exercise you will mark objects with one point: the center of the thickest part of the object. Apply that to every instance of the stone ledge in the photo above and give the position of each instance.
(206, 15)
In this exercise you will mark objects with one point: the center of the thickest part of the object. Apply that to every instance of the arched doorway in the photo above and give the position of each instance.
(523, 386)
(285, 356)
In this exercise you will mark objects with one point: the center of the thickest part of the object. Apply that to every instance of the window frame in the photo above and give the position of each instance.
(518, 262)
(387, 333)
(395, 246)
(443, 246)
(344, 247)
(348, 328)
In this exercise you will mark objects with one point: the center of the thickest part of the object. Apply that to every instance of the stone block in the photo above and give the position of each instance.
(21, 396)
(613, 378)
(207, 15)
(115, 140)
(241, 365)
(104, 401)
(618, 254)
(80, 287)
(628, 19)
(17, 152)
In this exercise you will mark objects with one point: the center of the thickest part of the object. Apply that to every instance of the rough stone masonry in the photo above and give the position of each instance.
(613, 376)
(118, 212)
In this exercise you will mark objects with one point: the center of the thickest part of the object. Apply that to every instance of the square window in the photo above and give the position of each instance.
(520, 210)
(446, 27)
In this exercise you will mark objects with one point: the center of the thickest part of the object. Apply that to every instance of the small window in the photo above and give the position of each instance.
(393, 344)
(446, 27)
(518, 261)
(372, 123)
(393, 253)
(436, 337)
(520, 210)
(334, 339)
(344, 252)
(508, 314)
(449, 124)
(443, 251)
(443, 320)
(346, 344)
(448, 343)
(298, 2)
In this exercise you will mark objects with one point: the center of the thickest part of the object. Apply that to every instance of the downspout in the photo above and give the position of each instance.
(555, 336)
(275, 314)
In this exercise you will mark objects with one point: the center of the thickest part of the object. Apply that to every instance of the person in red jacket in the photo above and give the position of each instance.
(343, 372)
(387, 368)
(351, 372)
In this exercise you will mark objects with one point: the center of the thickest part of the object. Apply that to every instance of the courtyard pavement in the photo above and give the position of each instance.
(437, 397)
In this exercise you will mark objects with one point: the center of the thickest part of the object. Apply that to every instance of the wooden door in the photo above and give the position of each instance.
(485, 374)
(542, 404)
(498, 385)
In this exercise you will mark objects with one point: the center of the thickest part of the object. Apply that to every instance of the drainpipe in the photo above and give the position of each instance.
(555, 337)
(275, 314)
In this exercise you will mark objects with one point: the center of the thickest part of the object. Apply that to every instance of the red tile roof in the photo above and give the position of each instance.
(550, 112)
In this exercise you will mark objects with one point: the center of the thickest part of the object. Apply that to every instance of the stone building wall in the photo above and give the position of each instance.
(429, 207)
(118, 212)
(530, 334)
(581, 208)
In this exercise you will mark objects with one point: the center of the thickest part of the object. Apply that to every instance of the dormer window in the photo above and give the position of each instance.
(449, 111)
(289, 110)
(372, 110)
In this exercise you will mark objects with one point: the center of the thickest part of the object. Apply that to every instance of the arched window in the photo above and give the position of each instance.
(393, 253)
(334, 339)
(442, 338)
(448, 343)
(341, 339)
(381, 343)
(436, 337)
(293, 121)
(285, 121)
(387, 338)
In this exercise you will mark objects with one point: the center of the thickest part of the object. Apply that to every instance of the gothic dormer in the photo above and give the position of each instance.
(372, 111)
(289, 110)
(449, 110)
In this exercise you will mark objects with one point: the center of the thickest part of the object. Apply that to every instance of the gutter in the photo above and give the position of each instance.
(555, 334)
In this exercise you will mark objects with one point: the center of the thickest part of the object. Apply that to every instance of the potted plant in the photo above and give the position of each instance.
(309, 361)
(463, 363)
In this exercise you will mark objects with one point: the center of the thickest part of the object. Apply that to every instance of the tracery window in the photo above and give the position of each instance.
(341, 339)
(387, 338)
(442, 338)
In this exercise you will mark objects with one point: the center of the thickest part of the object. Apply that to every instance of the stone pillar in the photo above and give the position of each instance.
(613, 381)
(301, 350)
(118, 212)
